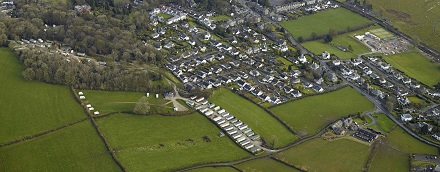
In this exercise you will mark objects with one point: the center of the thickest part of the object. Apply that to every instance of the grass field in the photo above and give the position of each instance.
(310, 114)
(159, 143)
(257, 119)
(106, 102)
(214, 169)
(382, 33)
(220, 18)
(345, 40)
(285, 62)
(321, 155)
(402, 141)
(29, 107)
(416, 100)
(384, 123)
(165, 16)
(76, 148)
(320, 23)
(416, 66)
(265, 164)
(416, 18)
(389, 159)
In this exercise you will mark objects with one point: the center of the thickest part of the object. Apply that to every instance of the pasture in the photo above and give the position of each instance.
(265, 164)
(402, 141)
(214, 169)
(220, 18)
(75, 148)
(320, 23)
(257, 119)
(159, 143)
(383, 123)
(321, 155)
(310, 114)
(107, 102)
(415, 65)
(347, 39)
(389, 159)
(29, 107)
(418, 19)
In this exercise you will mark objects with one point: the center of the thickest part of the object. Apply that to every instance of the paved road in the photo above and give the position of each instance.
(179, 106)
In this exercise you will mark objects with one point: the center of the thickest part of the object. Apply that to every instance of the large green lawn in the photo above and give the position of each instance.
(415, 18)
(383, 122)
(159, 143)
(317, 47)
(320, 23)
(75, 148)
(310, 114)
(321, 155)
(29, 107)
(257, 119)
(106, 102)
(265, 164)
(389, 159)
(402, 141)
(416, 66)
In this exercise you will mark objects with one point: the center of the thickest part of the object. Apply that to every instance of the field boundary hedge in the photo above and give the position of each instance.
(287, 164)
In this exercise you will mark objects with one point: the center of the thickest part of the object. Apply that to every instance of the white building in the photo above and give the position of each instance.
(406, 117)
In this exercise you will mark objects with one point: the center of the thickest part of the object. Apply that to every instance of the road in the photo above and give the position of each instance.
(179, 106)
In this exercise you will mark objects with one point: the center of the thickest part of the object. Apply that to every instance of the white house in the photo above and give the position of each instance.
(82, 97)
(325, 55)
(406, 117)
(80, 93)
(302, 58)
(96, 113)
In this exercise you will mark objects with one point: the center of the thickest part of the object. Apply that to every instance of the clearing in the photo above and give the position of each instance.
(160, 143)
(29, 107)
(257, 119)
(320, 23)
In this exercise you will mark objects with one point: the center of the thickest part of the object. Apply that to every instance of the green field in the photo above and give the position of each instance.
(76, 148)
(257, 119)
(286, 63)
(416, 66)
(320, 23)
(106, 102)
(389, 159)
(402, 141)
(159, 143)
(415, 18)
(321, 155)
(220, 18)
(382, 33)
(317, 47)
(165, 16)
(265, 164)
(384, 123)
(310, 114)
(29, 107)
(214, 169)
(415, 100)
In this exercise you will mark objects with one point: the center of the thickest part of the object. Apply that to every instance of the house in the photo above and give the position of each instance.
(307, 84)
(356, 62)
(378, 93)
(318, 89)
(332, 77)
(288, 90)
(325, 55)
(347, 122)
(314, 66)
(155, 35)
(254, 73)
(169, 45)
(336, 62)
(296, 93)
(302, 58)
(403, 100)
(337, 124)
(406, 117)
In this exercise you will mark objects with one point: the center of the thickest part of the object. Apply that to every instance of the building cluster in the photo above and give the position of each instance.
(341, 126)
(236, 129)
(82, 9)
(308, 5)
(6, 6)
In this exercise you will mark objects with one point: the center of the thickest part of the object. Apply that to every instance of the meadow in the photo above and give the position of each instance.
(347, 39)
(320, 23)
(321, 155)
(402, 141)
(75, 148)
(383, 123)
(160, 143)
(389, 159)
(265, 164)
(29, 107)
(310, 114)
(418, 19)
(416, 66)
(107, 102)
(255, 117)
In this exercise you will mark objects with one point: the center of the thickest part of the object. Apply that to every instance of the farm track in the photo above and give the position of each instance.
(35, 136)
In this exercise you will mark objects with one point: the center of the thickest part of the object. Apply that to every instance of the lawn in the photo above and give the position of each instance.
(320, 23)
(383, 122)
(402, 141)
(220, 18)
(75, 148)
(214, 169)
(165, 16)
(416, 66)
(106, 102)
(159, 143)
(347, 39)
(310, 114)
(418, 101)
(321, 155)
(286, 63)
(265, 164)
(415, 18)
(257, 119)
(389, 159)
(29, 107)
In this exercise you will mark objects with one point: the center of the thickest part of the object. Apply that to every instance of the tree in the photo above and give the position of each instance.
(142, 107)
(328, 38)
(300, 39)
(313, 35)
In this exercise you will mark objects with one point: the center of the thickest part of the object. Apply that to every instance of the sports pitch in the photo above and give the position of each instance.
(382, 33)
